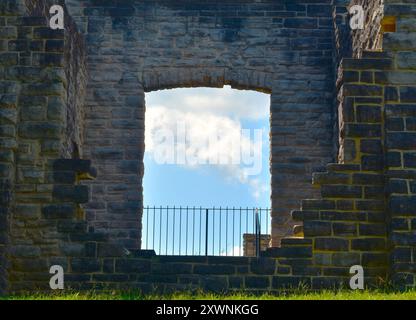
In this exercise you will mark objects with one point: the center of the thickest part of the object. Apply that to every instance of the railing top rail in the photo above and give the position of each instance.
(205, 208)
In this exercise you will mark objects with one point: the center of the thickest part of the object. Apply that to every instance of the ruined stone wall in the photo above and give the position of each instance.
(361, 211)
(9, 89)
(38, 118)
(277, 47)
(72, 46)
(400, 141)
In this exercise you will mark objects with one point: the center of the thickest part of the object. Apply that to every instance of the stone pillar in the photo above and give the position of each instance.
(301, 143)
(249, 244)
(114, 141)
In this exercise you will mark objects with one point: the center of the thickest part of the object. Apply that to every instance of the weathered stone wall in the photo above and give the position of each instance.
(39, 90)
(348, 225)
(9, 89)
(72, 47)
(362, 210)
(277, 47)
(400, 117)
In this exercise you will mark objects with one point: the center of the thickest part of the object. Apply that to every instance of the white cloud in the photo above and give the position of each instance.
(233, 252)
(212, 119)
(236, 104)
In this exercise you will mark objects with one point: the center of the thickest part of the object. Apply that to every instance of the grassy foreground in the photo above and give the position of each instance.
(323, 295)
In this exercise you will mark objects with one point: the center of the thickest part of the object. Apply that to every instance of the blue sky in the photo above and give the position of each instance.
(207, 185)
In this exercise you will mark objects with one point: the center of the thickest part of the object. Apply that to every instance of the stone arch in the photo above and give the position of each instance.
(170, 78)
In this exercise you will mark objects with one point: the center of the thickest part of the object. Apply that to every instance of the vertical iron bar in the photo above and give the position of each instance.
(193, 231)
(233, 230)
(206, 232)
(258, 235)
(240, 233)
(213, 228)
(247, 213)
(147, 227)
(186, 233)
(219, 237)
(173, 232)
(154, 226)
(167, 228)
(180, 229)
(254, 231)
(200, 229)
(226, 231)
(160, 231)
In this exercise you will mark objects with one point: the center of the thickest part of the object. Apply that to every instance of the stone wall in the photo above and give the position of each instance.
(39, 90)
(400, 141)
(277, 47)
(9, 89)
(358, 211)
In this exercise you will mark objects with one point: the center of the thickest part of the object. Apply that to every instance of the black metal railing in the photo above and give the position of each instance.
(205, 231)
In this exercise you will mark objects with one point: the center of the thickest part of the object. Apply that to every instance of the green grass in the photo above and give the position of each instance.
(322, 295)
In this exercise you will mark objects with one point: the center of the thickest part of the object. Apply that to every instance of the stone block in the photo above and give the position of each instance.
(355, 90)
(371, 146)
(69, 226)
(341, 191)
(368, 114)
(213, 269)
(8, 59)
(408, 94)
(25, 212)
(368, 244)
(362, 130)
(301, 23)
(76, 194)
(59, 211)
(317, 228)
(257, 282)
(132, 266)
(76, 165)
(375, 259)
(331, 244)
(47, 33)
(110, 250)
(86, 265)
(263, 266)
(214, 284)
(372, 162)
(344, 229)
(372, 229)
(172, 268)
(40, 130)
(55, 45)
(318, 204)
(64, 177)
(403, 205)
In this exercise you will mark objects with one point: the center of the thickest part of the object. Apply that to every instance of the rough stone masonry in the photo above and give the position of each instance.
(72, 110)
